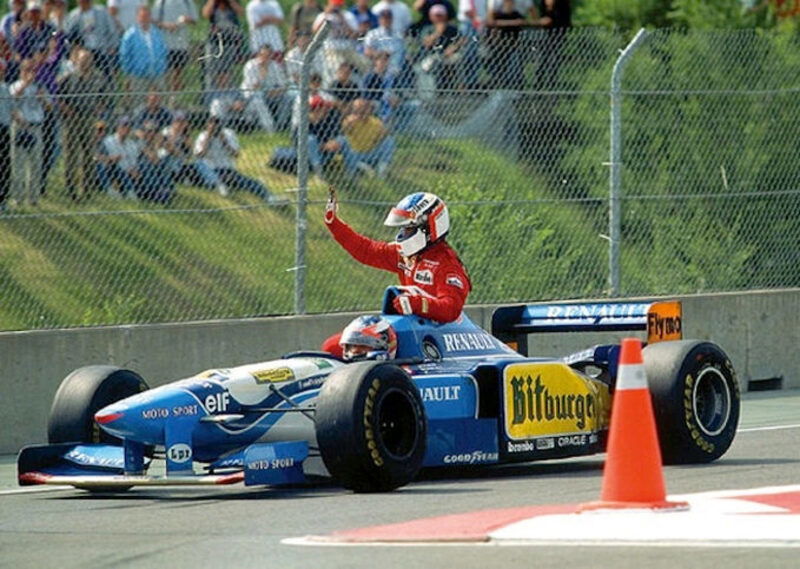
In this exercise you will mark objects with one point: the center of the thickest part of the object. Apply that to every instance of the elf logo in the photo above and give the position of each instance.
(424, 277)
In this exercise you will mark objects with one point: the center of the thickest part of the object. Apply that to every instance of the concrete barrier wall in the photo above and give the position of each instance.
(757, 329)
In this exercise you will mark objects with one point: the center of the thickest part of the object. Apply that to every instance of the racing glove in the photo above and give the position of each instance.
(411, 304)
(331, 206)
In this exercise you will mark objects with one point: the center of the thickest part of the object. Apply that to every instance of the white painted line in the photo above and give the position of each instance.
(33, 490)
(774, 428)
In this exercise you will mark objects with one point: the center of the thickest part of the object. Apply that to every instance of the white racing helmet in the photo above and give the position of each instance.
(423, 219)
(368, 337)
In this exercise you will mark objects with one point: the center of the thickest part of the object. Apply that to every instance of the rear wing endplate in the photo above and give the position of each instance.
(661, 320)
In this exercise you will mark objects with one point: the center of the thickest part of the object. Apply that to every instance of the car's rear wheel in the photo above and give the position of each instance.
(695, 399)
(82, 394)
(371, 427)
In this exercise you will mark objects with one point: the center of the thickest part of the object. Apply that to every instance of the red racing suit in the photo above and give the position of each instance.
(437, 270)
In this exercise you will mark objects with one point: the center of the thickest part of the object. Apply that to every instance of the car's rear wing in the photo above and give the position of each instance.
(661, 320)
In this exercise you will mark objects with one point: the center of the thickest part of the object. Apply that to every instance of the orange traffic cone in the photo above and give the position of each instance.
(632, 477)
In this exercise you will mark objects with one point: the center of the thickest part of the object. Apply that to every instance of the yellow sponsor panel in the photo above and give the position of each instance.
(549, 399)
(274, 375)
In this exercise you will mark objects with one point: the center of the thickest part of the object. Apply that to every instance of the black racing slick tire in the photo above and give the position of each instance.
(371, 427)
(695, 397)
(82, 394)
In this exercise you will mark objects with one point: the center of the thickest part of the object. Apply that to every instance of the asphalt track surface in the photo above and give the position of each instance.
(239, 527)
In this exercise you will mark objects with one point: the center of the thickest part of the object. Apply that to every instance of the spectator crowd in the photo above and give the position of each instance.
(95, 84)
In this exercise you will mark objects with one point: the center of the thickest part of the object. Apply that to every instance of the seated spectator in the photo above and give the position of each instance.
(440, 49)
(175, 18)
(263, 19)
(527, 8)
(118, 161)
(378, 86)
(217, 147)
(152, 111)
(366, 145)
(294, 60)
(143, 53)
(33, 35)
(155, 175)
(324, 122)
(344, 89)
(26, 134)
(401, 15)
(340, 44)
(301, 19)
(183, 166)
(424, 8)
(80, 105)
(384, 39)
(90, 26)
(265, 88)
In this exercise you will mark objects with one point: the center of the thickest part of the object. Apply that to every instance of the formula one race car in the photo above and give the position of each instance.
(456, 395)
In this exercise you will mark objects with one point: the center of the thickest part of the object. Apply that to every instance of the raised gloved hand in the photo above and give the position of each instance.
(410, 304)
(331, 206)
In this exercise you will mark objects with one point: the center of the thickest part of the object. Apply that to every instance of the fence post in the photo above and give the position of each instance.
(301, 220)
(615, 163)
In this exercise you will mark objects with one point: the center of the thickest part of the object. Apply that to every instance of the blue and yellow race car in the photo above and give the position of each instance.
(455, 395)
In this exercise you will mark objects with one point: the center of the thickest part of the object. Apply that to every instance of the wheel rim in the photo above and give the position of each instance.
(397, 424)
(711, 401)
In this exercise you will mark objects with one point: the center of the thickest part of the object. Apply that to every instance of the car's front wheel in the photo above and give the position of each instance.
(371, 427)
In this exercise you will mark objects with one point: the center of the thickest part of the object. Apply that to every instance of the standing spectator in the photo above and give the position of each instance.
(6, 110)
(557, 18)
(92, 27)
(384, 39)
(294, 59)
(55, 13)
(265, 89)
(365, 19)
(225, 43)
(340, 44)
(441, 44)
(143, 53)
(118, 161)
(263, 19)
(424, 8)
(401, 19)
(218, 147)
(26, 134)
(471, 25)
(366, 143)
(301, 18)
(184, 168)
(525, 7)
(12, 22)
(505, 65)
(155, 176)
(174, 18)
(46, 77)
(78, 100)
(34, 33)
(124, 13)
(152, 111)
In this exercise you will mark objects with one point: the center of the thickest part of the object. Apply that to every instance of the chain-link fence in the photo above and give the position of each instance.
(168, 198)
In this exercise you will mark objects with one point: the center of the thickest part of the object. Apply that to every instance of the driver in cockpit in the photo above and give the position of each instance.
(365, 338)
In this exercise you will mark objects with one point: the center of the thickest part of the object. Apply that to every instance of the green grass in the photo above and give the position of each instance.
(213, 257)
